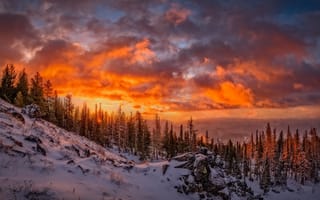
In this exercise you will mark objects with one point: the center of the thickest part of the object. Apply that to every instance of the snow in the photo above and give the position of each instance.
(73, 167)
(66, 171)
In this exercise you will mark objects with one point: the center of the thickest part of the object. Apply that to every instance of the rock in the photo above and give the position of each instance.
(44, 194)
(290, 189)
(21, 153)
(32, 110)
(203, 150)
(41, 150)
(84, 171)
(18, 143)
(18, 116)
(87, 153)
(189, 159)
(164, 168)
(70, 162)
(201, 169)
(184, 157)
(208, 179)
(32, 138)
(186, 165)
(202, 196)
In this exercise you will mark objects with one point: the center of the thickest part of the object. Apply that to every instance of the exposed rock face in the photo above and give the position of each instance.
(208, 179)
(32, 110)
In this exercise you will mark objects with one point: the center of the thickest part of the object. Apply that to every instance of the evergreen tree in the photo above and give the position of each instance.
(36, 91)
(131, 134)
(166, 139)
(48, 101)
(265, 182)
(139, 129)
(193, 135)
(8, 91)
(23, 87)
(18, 101)
(84, 121)
(58, 110)
(280, 177)
(146, 141)
(68, 112)
(156, 137)
(76, 120)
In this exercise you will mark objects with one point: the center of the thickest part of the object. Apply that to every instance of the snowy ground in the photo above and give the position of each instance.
(66, 169)
(41, 161)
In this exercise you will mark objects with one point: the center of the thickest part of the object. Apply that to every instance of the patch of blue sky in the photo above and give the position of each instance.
(182, 43)
(106, 13)
(84, 39)
(38, 22)
(159, 8)
(23, 6)
(299, 7)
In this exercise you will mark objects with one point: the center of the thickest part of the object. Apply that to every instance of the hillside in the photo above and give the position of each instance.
(38, 160)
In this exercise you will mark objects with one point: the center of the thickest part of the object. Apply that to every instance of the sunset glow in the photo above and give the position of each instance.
(176, 58)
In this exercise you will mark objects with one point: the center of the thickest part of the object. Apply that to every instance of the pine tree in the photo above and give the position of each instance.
(156, 137)
(18, 101)
(166, 139)
(265, 182)
(207, 138)
(48, 101)
(171, 143)
(76, 120)
(146, 141)
(58, 110)
(139, 130)
(8, 91)
(193, 135)
(303, 168)
(36, 91)
(279, 168)
(268, 149)
(131, 134)
(68, 112)
(287, 152)
(122, 131)
(245, 161)
(296, 151)
(258, 156)
(23, 87)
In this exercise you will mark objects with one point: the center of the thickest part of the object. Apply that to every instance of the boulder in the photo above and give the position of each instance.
(208, 179)
(32, 110)
(201, 169)
(164, 168)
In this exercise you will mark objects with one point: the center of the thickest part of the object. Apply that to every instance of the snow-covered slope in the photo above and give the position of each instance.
(41, 161)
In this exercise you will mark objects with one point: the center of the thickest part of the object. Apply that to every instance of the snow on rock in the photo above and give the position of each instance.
(32, 110)
(207, 179)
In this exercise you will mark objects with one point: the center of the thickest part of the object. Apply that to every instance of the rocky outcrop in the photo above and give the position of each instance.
(32, 110)
(208, 179)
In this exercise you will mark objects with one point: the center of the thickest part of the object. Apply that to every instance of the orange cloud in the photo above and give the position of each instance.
(138, 52)
(231, 94)
(176, 14)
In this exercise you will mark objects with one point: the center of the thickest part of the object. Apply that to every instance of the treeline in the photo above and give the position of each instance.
(272, 158)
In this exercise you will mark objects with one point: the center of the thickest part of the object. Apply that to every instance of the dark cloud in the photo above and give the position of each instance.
(187, 55)
(16, 33)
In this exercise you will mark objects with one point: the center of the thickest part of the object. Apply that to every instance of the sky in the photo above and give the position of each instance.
(200, 58)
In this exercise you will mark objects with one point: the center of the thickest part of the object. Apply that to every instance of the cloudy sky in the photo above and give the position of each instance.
(206, 58)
